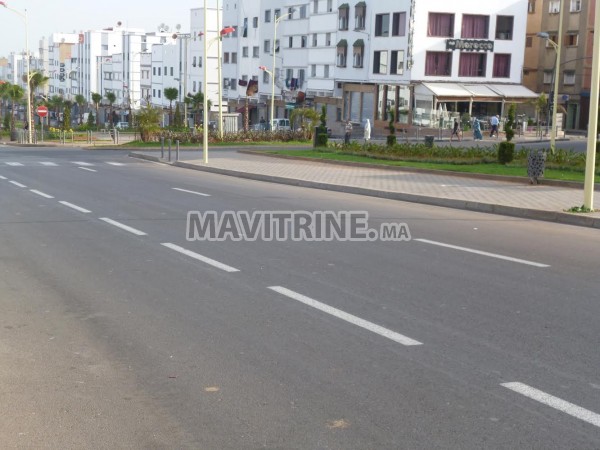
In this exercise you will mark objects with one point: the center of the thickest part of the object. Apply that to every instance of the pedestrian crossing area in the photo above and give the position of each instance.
(62, 164)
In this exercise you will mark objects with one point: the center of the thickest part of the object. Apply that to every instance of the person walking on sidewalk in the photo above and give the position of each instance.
(455, 130)
(347, 132)
(494, 122)
(477, 130)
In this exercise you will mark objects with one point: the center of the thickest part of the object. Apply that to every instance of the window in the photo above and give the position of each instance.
(244, 52)
(501, 66)
(291, 12)
(194, 61)
(267, 15)
(472, 65)
(315, 6)
(303, 40)
(553, 38)
(154, 71)
(399, 24)
(328, 39)
(474, 26)
(165, 71)
(233, 84)
(265, 77)
(171, 72)
(440, 25)
(314, 40)
(380, 62)
(199, 61)
(245, 32)
(277, 46)
(329, 5)
(529, 41)
(313, 70)
(531, 6)
(303, 12)
(357, 57)
(234, 58)
(382, 25)
(342, 51)
(575, 6)
(554, 6)
(291, 42)
(267, 46)
(255, 22)
(548, 76)
(159, 71)
(360, 13)
(438, 64)
(326, 71)
(255, 51)
(194, 87)
(277, 14)
(343, 17)
(569, 77)
(572, 39)
(397, 62)
(225, 58)
(504, 27)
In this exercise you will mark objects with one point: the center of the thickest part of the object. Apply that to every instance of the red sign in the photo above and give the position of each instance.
(42, 111)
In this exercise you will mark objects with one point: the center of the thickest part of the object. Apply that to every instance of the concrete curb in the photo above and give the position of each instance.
(512, 211)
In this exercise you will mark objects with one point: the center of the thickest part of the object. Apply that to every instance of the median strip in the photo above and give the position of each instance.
(479, 252)
(199, 257)
(123, 226)
(377, 329)
(75, 207)
(554, 402)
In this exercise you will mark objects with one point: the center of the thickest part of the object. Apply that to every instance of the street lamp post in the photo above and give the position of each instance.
(556, 76)
(277, 20)
(23, 15)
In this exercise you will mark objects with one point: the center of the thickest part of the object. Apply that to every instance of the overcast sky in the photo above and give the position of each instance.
(50, 16)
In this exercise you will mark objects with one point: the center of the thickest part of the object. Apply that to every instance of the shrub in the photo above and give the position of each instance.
(506, 152)
(510, 123)
(391, 140)
(322, 137)
(322, 140)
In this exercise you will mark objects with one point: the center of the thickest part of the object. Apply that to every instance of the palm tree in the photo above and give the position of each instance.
(305, 114)
(56, 102)
(148, 120)
(3, 96)
(196, 103)
(112, 98)
(171, 94)
(80, 100)
(36, 80)
(97, 98)
(15, 95)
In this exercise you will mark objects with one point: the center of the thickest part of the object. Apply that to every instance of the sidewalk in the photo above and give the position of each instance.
(518, 199)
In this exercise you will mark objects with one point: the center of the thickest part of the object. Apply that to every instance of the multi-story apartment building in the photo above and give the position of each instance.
(575, 65)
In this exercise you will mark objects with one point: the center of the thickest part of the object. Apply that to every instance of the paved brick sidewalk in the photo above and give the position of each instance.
(469, 191)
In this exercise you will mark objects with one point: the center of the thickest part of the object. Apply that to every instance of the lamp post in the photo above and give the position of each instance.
(23, 15)
(556, 76)
(277, 20)
(590, 160)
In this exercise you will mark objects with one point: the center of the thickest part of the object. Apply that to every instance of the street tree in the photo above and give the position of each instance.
(171, 94)
(96, 99)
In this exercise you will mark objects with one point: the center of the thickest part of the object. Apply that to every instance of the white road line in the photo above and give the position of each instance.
(554, 402)
(199, 257)
(40, 193)
(14, 164)
(191, 192)
(114, 163)
(75, 207)
(17, 184)
(82, 163)
(89, 170)
(47, 163)
(123, 226)
(396, 337)
(3, 178)
(479, 252)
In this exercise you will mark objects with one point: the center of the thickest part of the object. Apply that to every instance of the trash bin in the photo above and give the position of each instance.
(429, 141)
(536, 163)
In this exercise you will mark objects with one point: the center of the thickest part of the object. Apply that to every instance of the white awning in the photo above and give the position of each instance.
(513, 91)
(467, 92)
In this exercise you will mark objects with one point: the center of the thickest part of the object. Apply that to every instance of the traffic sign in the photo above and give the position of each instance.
(42, 111)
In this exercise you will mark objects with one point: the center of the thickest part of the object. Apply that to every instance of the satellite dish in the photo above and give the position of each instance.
(178, 27)
(119, 23)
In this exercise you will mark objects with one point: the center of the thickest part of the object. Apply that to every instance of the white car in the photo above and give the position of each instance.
(122, 125)
(281, 125)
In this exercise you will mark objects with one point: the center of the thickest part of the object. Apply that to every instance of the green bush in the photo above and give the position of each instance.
(506, 152)
(509, 126)
(391, 140)
(322, 139)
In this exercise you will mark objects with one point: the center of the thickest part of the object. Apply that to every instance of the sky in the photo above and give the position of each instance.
(47, 17)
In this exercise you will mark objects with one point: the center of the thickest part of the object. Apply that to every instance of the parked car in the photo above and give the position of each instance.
(122, 125)
(281, 124)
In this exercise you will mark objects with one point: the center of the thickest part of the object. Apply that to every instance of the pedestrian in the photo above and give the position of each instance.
(455, 130)
(347, 132)
(494, 121)
(367, 131)
(263, 123)
(477, 130)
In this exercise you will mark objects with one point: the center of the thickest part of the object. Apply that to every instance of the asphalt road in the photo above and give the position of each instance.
(481, 332)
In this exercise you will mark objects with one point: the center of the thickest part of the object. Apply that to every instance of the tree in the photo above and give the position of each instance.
(36, 80)
(3, 95)
(56, 102)
(96, 99)
(67, 117)
(177, 120)
(112, 98)
(148, 120)
(15, 95)
(171, 94)
(305, 114)
(80, 100)
(196, 104)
